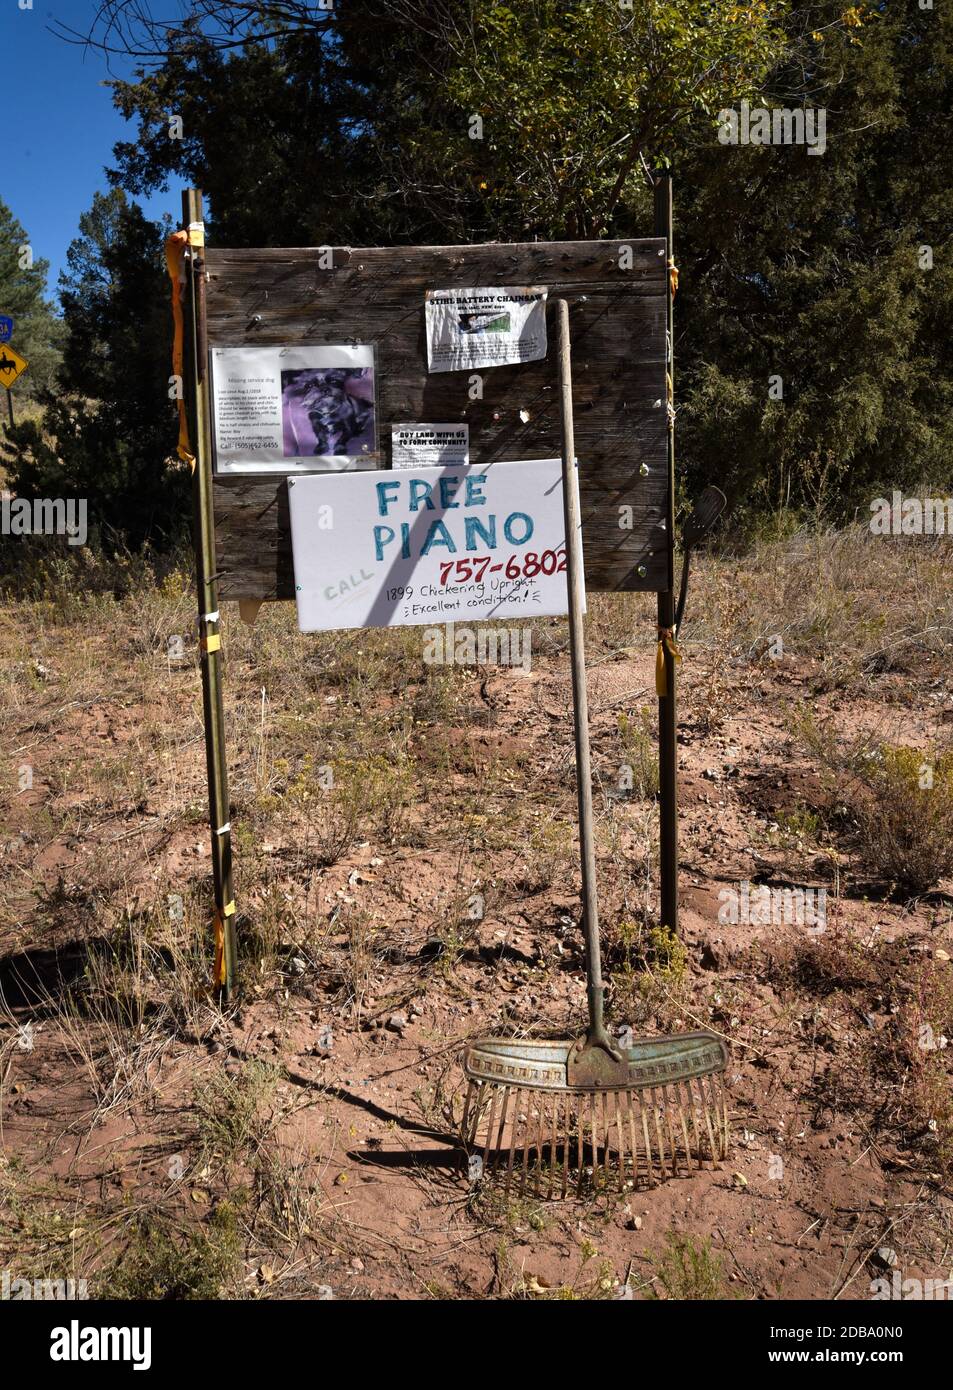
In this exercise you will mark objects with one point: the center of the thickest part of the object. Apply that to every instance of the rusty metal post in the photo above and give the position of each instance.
(668, 747)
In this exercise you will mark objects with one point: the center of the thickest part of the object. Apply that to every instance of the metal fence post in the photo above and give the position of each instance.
(210, 642)
(668, 748)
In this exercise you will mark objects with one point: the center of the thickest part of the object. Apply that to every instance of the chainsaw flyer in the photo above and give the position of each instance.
(472, 328)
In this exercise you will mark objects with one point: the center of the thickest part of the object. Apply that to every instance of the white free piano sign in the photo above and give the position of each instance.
(428, 545)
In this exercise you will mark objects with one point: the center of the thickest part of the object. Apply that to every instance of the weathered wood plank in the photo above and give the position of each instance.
(376, 295)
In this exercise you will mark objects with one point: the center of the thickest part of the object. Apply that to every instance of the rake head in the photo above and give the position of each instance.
(661, 1114)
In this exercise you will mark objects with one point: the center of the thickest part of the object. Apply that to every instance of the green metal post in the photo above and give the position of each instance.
(197, 401)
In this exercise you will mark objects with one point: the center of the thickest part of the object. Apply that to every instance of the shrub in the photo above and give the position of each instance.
(907, 821)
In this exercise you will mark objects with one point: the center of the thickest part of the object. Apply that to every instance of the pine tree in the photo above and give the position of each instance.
(108, 430)
(37, 331)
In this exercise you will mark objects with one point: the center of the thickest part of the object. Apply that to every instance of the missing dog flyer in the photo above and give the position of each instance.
(489, 327)
(294, 409)
(430, 446)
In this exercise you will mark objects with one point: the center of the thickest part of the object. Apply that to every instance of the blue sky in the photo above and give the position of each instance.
(54, 156)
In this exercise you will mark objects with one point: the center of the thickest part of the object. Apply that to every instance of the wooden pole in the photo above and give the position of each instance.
(10, 406)
(577, 590)
(668, 747)
(197, 403)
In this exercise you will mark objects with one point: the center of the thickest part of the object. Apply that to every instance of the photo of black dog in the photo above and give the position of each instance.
(327, 411)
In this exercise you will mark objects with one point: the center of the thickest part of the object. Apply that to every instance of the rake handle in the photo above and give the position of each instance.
(576, 590)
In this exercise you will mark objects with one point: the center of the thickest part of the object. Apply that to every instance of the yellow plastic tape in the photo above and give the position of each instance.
(211, 643)
(229, 908)
(666, 642)
(672, 276)
(218, 971)
(175, 264)
(197, 234)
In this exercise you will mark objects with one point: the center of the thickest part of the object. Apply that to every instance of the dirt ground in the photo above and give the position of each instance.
(299, 1141)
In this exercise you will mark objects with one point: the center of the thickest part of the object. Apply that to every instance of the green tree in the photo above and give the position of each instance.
(108, 430)
(813, 269)
(37, 332)
(354, 125)
(358, 125)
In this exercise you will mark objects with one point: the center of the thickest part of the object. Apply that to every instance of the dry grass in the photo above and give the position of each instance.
(854, 604)
(355, 764)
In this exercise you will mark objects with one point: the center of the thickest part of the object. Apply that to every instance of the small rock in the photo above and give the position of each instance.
(397, 1022)
(357, 1265)
(886, 1257)
(297, 965)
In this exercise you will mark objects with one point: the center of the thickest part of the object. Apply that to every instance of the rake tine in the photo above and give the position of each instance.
(684, 1123)
(553, 1145)
(691, 1110)
(635, 1148)
(658, 1132)
(692, 1087)
(465, 1121)
(581, 1143)
(526, 1146)
(667, 1112)
(723, 1087)
(540, 1136)
(648, 1142)
(514, 1128)
(612, 1122)
(566, 1147)
(619, 1098)
(595, 1106)
(706, 1112)
(620, 1150)
(717, 1117)
(494, 1102)
(498, 1156)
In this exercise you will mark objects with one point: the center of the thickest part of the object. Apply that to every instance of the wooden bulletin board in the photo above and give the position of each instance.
(617, 292)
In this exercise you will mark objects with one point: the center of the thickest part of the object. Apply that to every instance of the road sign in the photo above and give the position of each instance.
(12, 365)
(417, 547)
(6, 328)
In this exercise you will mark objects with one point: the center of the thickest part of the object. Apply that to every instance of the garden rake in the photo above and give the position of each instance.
(563, 1118)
